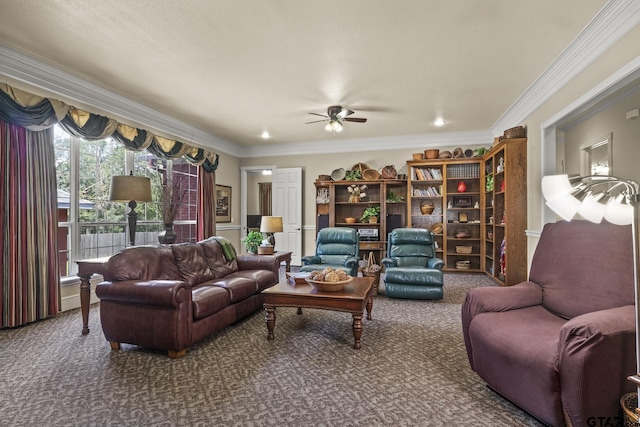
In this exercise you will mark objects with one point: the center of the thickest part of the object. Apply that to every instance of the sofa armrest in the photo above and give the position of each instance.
(152, 292)
(388, 262)
(261, 262)
(310, 259)
(436, 263)
(596, 354)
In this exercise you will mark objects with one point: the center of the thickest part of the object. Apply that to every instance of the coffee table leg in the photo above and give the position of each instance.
(369, 308)
(270, 315)
(357, 330)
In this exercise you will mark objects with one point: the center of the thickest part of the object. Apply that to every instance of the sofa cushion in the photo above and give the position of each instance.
(263, 278)
(191, 263)
(238, 286)
(218, 264)
(143, 263)
(516, 352)
(208, 300)
(579, 281)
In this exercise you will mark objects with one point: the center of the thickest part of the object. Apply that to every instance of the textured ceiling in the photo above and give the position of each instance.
(236, 68)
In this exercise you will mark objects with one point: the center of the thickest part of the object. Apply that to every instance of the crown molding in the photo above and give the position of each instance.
(614, 20)
(54, 81)
(423, 141)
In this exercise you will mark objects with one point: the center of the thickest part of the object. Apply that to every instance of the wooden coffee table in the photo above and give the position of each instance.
(355, 297)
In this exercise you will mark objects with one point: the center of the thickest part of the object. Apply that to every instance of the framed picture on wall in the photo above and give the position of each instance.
(223, 203)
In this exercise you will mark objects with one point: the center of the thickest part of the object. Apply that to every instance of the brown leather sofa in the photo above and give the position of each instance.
(561, 344)
(170, 297)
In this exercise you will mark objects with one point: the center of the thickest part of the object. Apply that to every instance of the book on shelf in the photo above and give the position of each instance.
(427, 192)
(427, 174)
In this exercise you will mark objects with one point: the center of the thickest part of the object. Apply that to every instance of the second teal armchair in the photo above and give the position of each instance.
(336, 247)
(412, 269)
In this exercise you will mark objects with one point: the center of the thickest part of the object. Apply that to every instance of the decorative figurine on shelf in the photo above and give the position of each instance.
(323, 195)
(357, 193)
(477, 205)
(462, 187)
(500, 167)
(449, 205)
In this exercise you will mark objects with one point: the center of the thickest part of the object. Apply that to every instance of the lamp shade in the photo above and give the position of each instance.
(125, 188)
(271, 224)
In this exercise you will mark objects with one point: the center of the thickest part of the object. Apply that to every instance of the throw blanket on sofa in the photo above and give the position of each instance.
(227, 248)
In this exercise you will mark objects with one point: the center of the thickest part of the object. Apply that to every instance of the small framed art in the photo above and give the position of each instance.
(223, 203)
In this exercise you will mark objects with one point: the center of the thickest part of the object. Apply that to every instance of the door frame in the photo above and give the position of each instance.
(244, 171)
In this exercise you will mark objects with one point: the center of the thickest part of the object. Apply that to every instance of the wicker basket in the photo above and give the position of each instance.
(629, 402)
(464, 249)
(463, 265)
(418, 156)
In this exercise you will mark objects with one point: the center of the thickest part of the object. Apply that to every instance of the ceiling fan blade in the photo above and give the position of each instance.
(344, 113)
(355, 119)
(321, 115)
(317, 121)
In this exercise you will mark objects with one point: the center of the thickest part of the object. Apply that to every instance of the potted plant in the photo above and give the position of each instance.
(370, 214)
(252, 241)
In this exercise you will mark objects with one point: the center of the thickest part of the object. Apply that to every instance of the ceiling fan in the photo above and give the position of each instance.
(337, 114)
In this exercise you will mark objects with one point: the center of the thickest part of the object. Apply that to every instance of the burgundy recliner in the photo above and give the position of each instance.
(561, 345)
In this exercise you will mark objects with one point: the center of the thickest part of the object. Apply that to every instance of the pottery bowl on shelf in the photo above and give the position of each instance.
(350, 220)
(431, 154)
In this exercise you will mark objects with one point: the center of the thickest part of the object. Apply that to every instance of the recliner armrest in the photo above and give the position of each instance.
(310, 259)
(388, 262)
(605, 340)
(164, 293)
(436, 263)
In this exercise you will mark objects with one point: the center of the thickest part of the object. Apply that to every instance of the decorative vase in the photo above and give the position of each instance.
(462, 187)
(168, 236)
(354, 199)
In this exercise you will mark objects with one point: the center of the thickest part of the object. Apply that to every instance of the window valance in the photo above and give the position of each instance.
(37, 113)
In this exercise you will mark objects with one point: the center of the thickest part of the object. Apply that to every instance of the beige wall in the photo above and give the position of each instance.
(626, 138)
(623, 52)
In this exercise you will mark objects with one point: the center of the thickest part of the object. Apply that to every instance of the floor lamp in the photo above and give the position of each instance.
(132, 189)
(594, 198)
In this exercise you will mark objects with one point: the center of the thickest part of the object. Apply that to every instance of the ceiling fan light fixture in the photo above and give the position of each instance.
(439, 122)
(334, 126)
(265, 135)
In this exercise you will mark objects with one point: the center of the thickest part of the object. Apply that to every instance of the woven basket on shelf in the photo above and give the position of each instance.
(464, 249)
(463, 265)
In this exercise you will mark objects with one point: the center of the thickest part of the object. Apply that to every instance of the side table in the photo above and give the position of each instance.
(281, 257)
(86, 269)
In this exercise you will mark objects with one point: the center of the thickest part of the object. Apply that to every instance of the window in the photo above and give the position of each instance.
(89, 224)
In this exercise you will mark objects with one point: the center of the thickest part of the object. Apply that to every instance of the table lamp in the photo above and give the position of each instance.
(594, 198)
(271, 225)
(132, 189)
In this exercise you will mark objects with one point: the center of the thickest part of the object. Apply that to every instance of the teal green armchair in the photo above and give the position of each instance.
(336, 247)
(411, 268)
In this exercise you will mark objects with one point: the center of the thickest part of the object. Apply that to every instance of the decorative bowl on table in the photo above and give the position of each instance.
(329, 286)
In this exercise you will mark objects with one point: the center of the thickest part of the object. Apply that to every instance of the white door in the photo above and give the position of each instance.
(287, 202)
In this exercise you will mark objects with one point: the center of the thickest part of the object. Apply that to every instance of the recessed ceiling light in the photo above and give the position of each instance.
(265, 135)
(439, 122)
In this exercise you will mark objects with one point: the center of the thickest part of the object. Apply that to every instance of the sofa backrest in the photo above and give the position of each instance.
(410, 247)
(334, 245)
(143, 263)
(583, 267)
(193, 263)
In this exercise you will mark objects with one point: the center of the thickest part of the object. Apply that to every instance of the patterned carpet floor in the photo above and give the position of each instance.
(412, 371)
